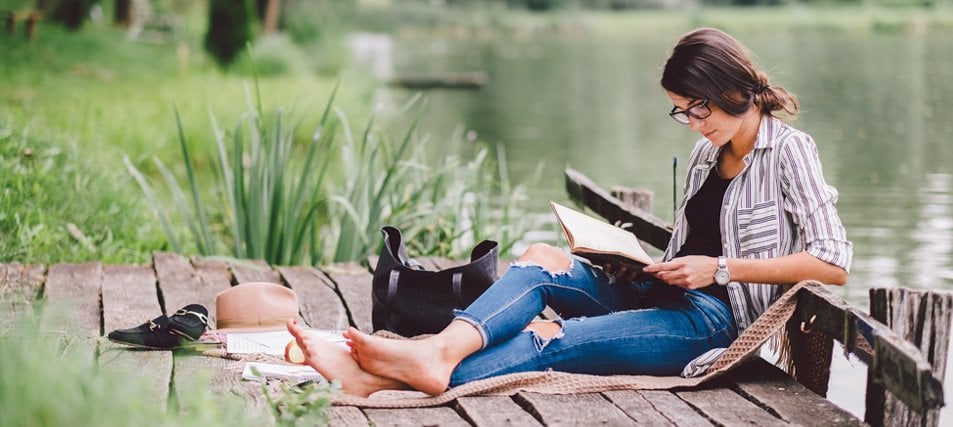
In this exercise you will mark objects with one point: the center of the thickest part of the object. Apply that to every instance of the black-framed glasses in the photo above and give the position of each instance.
(699, 111)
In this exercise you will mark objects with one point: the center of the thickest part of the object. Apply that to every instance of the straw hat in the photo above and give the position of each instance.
(255, 306)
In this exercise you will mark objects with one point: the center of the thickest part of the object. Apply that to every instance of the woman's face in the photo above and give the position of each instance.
(718, 126)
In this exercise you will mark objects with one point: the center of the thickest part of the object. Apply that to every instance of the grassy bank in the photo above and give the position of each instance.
(72, 105)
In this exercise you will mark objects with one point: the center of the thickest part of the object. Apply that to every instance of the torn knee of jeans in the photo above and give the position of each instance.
(541, 341)
(536, 264)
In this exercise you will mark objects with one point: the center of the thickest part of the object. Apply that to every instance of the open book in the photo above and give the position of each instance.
(599, 241)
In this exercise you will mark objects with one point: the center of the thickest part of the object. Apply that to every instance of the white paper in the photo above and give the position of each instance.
(295, 373)
(271, 342)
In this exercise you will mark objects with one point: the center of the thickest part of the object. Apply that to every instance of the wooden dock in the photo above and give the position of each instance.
(106, 297)
(904, 383)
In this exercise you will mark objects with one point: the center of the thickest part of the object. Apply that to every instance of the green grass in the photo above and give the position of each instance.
(43, 385)
(80, 102)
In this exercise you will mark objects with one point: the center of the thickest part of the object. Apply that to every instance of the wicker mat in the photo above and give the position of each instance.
(747, 345)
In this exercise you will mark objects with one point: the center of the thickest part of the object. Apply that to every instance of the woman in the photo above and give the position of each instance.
(757, 214)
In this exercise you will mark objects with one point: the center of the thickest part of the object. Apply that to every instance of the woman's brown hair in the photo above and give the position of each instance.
(708, 64)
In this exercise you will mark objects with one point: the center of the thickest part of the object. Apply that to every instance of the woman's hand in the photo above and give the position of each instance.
(689, 272)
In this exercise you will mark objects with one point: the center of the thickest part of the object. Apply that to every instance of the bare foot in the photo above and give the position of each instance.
(334, 362)
(422, 364)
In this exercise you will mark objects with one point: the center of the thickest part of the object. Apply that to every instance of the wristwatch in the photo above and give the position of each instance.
(722, 276)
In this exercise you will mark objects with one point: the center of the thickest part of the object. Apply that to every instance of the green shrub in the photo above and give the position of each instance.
(272, 56)
(71, 13)
(229, 29)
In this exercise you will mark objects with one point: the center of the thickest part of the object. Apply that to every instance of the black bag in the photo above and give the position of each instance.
(408, 300)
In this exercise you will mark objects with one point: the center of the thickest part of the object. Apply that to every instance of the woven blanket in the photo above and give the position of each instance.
(746, 345)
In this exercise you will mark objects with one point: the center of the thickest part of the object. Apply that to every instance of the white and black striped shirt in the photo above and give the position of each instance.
(778, 205)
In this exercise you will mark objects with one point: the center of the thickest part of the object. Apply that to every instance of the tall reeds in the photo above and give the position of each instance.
(323, 200)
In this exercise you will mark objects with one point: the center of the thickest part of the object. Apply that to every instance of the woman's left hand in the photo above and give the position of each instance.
(689, 272)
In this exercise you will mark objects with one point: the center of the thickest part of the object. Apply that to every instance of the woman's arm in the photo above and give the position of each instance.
(696, 271)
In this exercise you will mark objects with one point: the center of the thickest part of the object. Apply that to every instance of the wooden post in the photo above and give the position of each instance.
(272, 12)
(923, 318)
(633, 197)
(11, 20)
(31, 24)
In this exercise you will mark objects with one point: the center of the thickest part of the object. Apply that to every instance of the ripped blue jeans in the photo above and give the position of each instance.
(608, 328)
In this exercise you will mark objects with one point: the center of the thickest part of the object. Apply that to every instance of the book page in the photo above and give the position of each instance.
(271, 342)
(587, 234)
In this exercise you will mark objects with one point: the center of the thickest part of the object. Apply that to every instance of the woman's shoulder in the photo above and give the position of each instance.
(785, 135)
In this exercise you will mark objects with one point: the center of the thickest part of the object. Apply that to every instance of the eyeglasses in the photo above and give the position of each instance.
(699, 111)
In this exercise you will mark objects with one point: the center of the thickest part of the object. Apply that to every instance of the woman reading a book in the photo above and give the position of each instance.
(757, 214)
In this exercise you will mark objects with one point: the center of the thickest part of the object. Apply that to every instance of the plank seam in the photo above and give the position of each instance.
(698, 410)
(527, 406)
(340, 295)
(758, 402)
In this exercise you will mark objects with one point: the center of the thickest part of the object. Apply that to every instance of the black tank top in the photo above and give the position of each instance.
(703, 213)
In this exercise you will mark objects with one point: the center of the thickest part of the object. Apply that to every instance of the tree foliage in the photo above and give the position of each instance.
(229, 29)
(71, 13)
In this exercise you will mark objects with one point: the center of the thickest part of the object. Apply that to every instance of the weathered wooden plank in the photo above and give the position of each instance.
(441, 416)
(648, 227)
(725, 407)
(572, 409)
(196, 373)
(770, 387)
(656, 408)
(903, 370)
(200, 283)
(319, 304)
(78, 349)
(72, 293)
(180, 285)
(253, 271)
(633, 197)
(493, 411)
(923, 319)
(459, 80)
(20, 285)
(346, 416)
(212, 270)
(353, 283)
(130, 298)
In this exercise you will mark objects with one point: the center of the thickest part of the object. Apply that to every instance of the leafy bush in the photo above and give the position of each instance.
(271, 56)
(229, 29)
(71, 13)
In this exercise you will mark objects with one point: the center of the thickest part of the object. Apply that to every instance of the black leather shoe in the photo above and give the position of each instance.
(189, 322)
(166, 333)
(153, 334)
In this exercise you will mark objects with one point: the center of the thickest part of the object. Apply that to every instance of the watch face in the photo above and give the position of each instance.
(722, 277)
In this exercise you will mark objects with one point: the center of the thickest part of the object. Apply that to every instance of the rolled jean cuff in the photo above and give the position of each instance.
(462, 315)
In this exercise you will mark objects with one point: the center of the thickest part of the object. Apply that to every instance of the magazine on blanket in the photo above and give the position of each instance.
(599, 241)
(257, 371)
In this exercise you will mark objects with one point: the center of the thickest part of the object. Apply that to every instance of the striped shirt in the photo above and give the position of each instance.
(778, 205)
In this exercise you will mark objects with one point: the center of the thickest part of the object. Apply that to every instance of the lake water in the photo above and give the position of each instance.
(877, 105)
